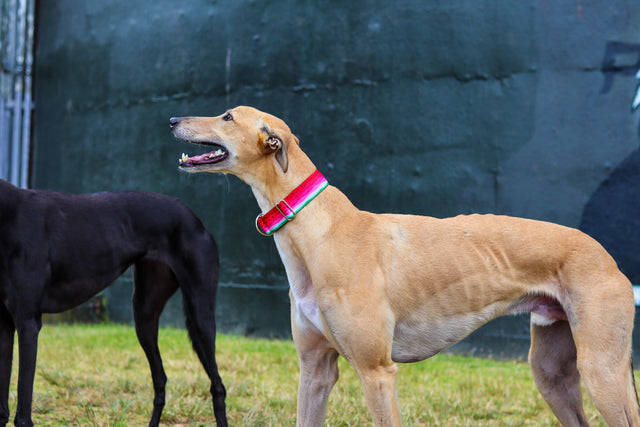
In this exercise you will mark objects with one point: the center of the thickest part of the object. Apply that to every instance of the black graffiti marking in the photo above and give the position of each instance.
(609, 66)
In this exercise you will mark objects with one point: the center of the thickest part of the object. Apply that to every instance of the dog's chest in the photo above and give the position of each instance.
(302, 292)
(308, 314)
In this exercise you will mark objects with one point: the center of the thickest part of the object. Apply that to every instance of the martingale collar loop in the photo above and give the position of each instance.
(286, 209)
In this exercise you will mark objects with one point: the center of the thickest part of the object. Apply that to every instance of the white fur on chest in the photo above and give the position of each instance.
(308, 314)
(302, 292)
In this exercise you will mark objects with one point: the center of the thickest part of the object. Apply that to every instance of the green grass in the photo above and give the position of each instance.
(97, 375)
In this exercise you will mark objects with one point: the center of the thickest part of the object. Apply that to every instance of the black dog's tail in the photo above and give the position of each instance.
(196, 249)
(200, 321)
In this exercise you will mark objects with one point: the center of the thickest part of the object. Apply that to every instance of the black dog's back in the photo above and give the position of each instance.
(91, 239)
(58, 250)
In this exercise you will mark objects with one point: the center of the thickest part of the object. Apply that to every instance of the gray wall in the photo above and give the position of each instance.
(427, 107)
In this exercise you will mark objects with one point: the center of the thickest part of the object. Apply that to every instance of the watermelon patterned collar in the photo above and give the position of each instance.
(286, 209)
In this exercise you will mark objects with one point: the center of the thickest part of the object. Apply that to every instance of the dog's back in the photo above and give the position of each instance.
(58, 250)
(81, 243)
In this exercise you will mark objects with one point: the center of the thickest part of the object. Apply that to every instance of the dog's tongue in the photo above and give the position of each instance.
(199, 158)
(211, 157)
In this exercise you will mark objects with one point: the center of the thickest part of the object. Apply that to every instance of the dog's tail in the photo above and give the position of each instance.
(200, 323)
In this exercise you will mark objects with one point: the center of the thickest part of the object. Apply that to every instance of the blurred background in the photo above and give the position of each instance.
(433, 107)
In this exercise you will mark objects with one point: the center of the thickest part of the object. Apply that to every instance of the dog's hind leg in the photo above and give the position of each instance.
(28, 329)
(552, 358)
(609, 380)
(199, 308)
(7, 333)
(154, 284)
(604, 361)
(602, 324)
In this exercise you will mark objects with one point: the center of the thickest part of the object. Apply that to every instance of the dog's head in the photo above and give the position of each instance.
(241, 140)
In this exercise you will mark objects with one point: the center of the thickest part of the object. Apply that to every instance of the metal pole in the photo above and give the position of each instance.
(7, 35)
(18, 87)
(4, 118)
(27, 102)
(4, 137)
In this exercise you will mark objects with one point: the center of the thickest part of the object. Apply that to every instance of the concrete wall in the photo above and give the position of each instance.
(426, 107)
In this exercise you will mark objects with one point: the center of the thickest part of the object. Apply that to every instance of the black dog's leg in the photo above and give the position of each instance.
(7, 333)
(28, 330)
(154, 284)
(199, 309)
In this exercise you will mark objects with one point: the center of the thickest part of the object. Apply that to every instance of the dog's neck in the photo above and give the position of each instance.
(277, 184)
(297, 240)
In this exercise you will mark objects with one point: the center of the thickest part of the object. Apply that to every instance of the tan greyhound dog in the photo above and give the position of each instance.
(380, 289)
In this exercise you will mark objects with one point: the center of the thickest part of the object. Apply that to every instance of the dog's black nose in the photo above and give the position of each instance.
(173, 121)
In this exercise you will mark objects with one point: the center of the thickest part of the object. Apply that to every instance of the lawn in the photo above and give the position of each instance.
(97, 375)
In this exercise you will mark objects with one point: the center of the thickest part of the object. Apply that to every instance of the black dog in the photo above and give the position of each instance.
(58, 250)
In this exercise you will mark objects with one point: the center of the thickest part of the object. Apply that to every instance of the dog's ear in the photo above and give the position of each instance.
(277, 141)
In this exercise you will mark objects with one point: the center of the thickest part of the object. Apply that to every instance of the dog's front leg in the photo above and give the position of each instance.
(318, 372)
(28, 330)
(379, 384)
(7, 332)
(366, 342)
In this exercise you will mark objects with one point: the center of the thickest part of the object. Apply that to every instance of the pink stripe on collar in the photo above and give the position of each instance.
(286, 209)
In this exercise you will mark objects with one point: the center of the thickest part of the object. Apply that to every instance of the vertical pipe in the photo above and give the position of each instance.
(4, 137)
(8, 66)
(27, 102)
(17, 93)
(4, 118)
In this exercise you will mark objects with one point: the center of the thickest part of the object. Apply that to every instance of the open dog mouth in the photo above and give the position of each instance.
(211, 157)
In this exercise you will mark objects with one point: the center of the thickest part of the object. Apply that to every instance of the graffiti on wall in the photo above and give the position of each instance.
(612, 215)
(613, 65)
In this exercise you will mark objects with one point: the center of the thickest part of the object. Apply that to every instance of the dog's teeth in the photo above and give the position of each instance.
(184, 158)
(212, 155)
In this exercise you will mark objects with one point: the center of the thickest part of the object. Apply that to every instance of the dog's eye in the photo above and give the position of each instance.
(227, 117)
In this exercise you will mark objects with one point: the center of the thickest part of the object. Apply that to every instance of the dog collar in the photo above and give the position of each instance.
(286, 209)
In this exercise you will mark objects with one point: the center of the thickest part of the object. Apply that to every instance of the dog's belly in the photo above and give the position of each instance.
(422, 336)
(416, 344)
(416, 339)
